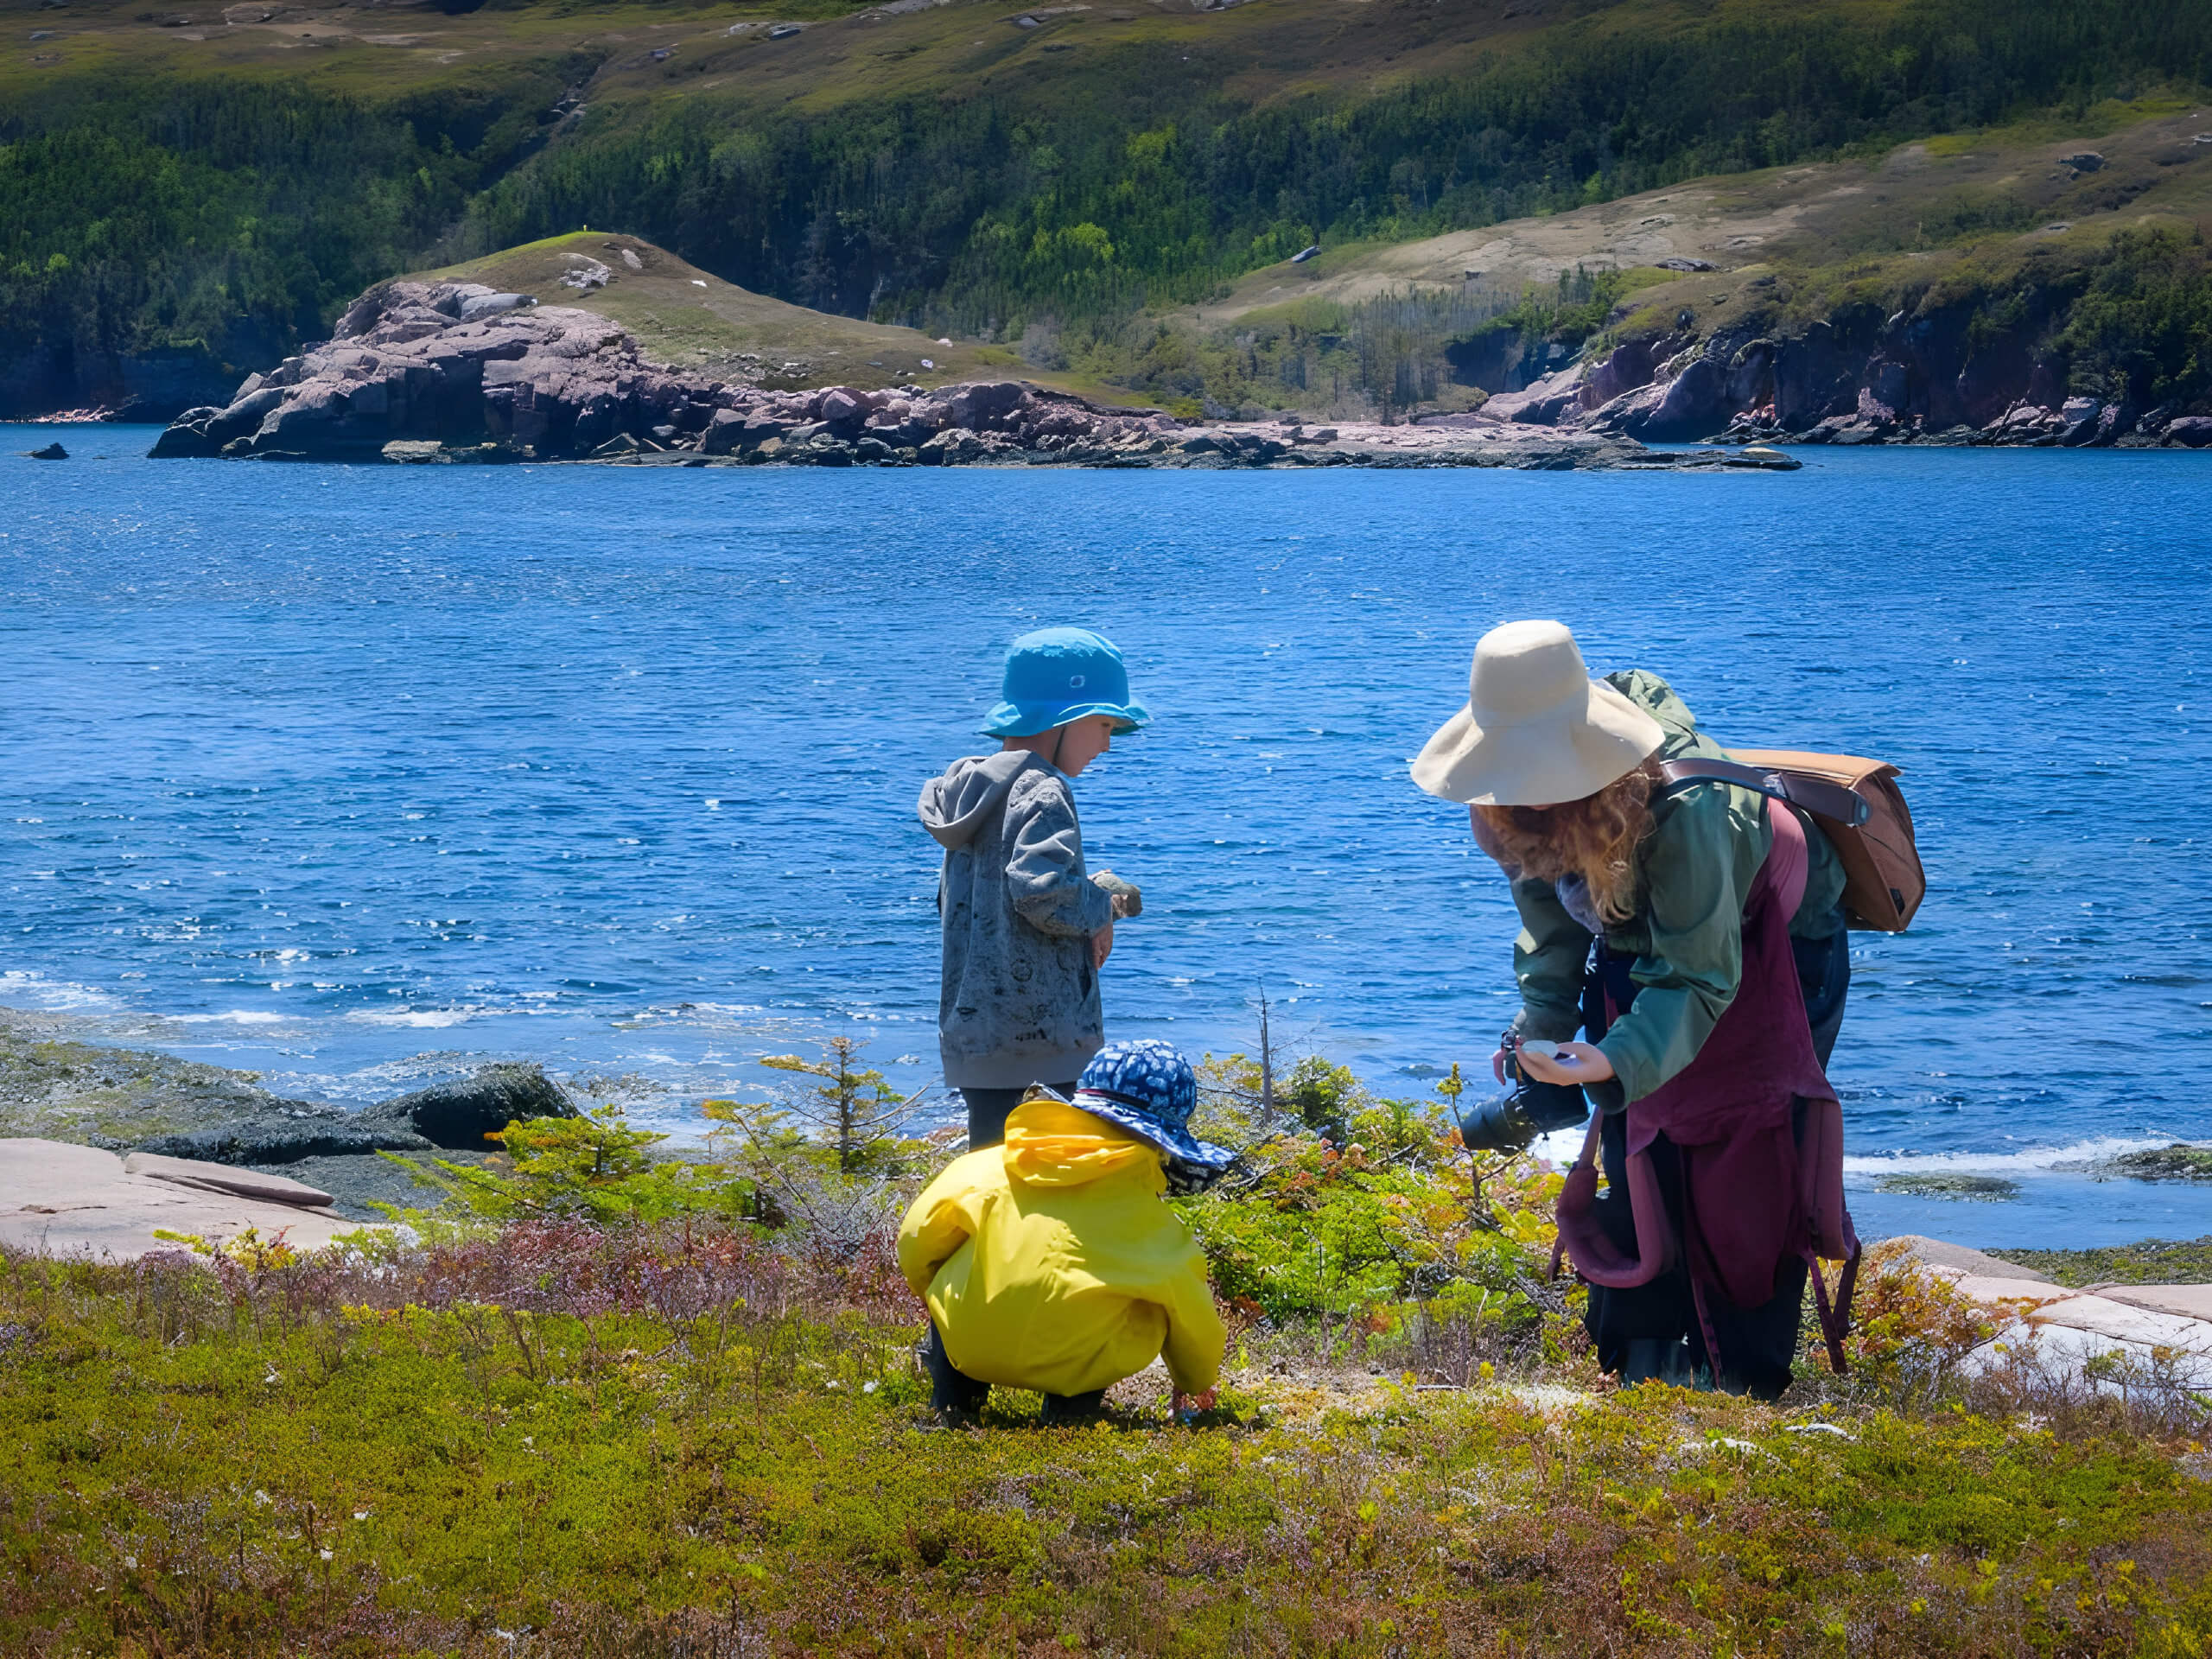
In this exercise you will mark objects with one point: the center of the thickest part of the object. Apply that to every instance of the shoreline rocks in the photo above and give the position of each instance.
(448, 373)
(2097, 1333)
(1849, 380)
(133, 1101)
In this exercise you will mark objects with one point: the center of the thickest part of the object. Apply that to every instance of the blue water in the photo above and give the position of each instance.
(358, 776)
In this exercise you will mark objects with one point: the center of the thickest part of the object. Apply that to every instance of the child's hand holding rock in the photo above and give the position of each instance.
(1129, 900)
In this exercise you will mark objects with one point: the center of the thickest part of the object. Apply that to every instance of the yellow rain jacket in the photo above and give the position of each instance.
(1050, 1262)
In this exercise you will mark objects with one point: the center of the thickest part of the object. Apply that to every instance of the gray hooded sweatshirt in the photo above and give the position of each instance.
(1020, 1002)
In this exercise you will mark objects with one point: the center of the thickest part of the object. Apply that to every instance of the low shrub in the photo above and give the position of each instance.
(563, 1438)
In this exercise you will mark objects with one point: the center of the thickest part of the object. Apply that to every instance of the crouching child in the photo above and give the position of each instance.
(1050, 1263)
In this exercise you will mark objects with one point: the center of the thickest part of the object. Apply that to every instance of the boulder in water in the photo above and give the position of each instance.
(52, 452)
(459, 1116)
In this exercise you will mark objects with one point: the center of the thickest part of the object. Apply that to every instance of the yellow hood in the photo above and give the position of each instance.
(1052, 1144)
(1050, 1263)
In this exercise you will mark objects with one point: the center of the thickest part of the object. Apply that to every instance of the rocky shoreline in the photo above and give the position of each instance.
(1907, 380)
(55, 1087)
(137, 1102)
(455, 372)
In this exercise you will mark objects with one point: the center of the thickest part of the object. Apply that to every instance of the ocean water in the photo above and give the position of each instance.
(360, 776)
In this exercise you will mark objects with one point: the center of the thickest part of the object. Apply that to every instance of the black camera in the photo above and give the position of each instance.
(1508, 1122)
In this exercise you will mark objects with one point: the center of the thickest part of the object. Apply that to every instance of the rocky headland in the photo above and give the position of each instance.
(138, 1105)
(429, 373)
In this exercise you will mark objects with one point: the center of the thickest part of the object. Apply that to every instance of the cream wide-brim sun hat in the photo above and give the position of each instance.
(1537, 730)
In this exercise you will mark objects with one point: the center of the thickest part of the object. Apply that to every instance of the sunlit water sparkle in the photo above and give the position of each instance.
(361, 775)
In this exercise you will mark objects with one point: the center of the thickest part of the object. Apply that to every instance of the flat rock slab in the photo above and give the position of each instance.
(225, 1179)
(2014, 1294)
(2120, 1322)
(1957, 1258)
(64, 1200)
(2066, 1330)
(2188, 1301)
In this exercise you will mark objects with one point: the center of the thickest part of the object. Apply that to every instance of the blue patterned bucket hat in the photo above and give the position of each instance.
(1057, 674)
(1149, 1088)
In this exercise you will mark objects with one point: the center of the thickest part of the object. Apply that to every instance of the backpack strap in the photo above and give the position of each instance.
(1815, 795)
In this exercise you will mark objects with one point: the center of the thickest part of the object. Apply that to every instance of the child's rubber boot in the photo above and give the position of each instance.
(1070, 1410)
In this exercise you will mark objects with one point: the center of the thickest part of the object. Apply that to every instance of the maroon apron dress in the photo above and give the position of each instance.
(1755, 1196)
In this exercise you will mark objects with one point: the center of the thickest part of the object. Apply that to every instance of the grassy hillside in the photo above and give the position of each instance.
(217, 180)
(690, 319)
(2100, 268)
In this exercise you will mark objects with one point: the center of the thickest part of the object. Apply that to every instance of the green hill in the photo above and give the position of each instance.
(196, 190)
(688, 318)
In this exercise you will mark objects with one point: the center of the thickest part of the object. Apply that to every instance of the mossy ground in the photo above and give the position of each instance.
(629, 1405)
(2154, 1261)
(718, 1452)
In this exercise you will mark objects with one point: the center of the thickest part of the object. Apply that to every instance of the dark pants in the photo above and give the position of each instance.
(987, 1109)
(954, 1390)
(1653, 1331)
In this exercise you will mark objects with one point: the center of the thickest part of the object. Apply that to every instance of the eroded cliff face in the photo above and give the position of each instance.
(1856, 376)
(61, 377)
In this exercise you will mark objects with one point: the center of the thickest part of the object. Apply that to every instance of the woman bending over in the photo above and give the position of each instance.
(1695, 935)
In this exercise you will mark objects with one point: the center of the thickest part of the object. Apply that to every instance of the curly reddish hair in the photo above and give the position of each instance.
(1595, 838)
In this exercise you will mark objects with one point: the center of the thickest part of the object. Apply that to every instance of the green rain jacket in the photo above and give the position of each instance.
(1686, 938)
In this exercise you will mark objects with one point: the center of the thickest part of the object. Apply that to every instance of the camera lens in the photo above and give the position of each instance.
(1510, 1121)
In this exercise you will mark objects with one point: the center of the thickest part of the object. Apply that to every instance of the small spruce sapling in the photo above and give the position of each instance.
(852, 1111)
(825, 1156)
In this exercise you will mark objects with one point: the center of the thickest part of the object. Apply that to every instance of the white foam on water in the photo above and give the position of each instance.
(1562, 1146)
(2034, 1160)
(419, 1018)
(22, 988)
(235, 1017)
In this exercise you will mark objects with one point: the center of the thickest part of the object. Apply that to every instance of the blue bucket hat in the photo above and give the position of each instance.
(1057, 674)
(1149, 1088)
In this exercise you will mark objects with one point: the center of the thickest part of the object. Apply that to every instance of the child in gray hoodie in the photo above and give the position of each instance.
(1027, 928)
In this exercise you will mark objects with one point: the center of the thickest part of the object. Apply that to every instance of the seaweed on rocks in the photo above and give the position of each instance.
(1984, 1189)
(2178, 1162)
(2153, 1261)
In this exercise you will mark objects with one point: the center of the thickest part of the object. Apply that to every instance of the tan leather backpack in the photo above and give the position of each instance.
(1858, 806)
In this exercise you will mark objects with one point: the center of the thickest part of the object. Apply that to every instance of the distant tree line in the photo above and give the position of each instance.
(1137, 181)
(175, 213)
(233, 217)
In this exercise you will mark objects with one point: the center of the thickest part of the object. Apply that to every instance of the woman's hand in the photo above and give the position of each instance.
(1102, 945)
(1576, 1063)
(1497, 1070)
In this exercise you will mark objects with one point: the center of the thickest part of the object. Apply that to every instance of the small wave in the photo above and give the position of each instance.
(235, 1017)
(2033, 1161)
(420, 1019)
(21, 988)
(1562, 1146)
